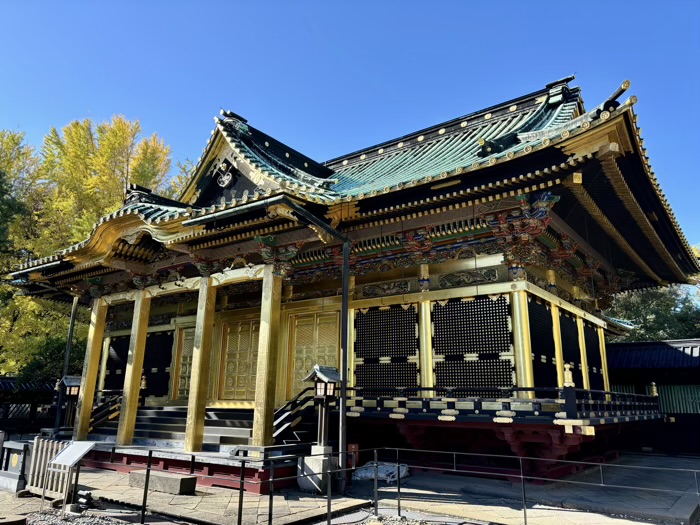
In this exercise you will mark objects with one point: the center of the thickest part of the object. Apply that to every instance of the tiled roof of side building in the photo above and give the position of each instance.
(682, 353)
(456, 144)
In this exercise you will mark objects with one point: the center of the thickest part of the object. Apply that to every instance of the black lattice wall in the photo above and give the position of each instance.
(156, 363)
(389, 334)
(116, 363)
(472, 345)
(542, 340)
(595, 360)
(570, 347)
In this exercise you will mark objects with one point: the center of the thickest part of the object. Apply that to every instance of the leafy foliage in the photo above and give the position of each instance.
(85, 170)
(659, 313)
(45, 363)
(50, 200)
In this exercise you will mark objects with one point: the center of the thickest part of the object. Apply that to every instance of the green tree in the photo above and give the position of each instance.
(179, 181)
(51, 200)
(45, 363)
(84, 173)
(659, 314)
(18, 165)
(25, 323)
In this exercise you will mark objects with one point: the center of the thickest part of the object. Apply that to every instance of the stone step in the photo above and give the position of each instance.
(211, 413)
(231, 423)
(165, 443)
(181, 426)
(175, 436)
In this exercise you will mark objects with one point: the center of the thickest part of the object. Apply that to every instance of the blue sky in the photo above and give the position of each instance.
(329, 77)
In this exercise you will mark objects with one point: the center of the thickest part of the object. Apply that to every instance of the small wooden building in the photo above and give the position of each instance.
(674, 368)
(484, 250)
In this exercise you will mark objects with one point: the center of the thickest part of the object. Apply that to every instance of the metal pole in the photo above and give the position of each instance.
(241, 488)
(602, 481)
(272, 491)
(328, 490)
(74, 496)
(192, 460)
(376, 483)
(398, 487)
(65, 493)
(344, 343)
(145, 487)
(522, 484)
(66, 360)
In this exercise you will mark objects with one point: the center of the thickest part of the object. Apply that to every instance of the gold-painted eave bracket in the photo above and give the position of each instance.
(585, 199)
(608, 156)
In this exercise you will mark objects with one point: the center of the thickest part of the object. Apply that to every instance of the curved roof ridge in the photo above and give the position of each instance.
(490, 109)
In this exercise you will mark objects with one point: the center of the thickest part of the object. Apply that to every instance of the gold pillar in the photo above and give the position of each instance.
(584, 356)
(134, 368)
(604, 358)
(524, 374)
(90, 367)
(558, 348)
(103, 363)
(427, 377)
(201, 360)
(351, 350)
(267, 358)
(351, 289)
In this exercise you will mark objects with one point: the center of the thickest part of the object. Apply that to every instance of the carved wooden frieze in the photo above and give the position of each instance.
(396, 287)
(468, 277)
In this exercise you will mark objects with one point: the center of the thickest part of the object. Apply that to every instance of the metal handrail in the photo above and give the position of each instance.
(289, 408)
(500, 390)
(106, 410)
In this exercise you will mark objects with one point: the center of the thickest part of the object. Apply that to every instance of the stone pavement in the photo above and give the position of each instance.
(213, 504)
(658, 495)
(10, 504)
(468, 498)
(491, 510)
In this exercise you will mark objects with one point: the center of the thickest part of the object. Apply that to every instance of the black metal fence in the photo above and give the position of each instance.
(459, 463)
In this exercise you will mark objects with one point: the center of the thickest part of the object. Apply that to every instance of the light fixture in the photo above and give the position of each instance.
(326, 379)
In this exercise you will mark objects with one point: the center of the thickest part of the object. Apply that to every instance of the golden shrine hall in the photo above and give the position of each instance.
(477, 258)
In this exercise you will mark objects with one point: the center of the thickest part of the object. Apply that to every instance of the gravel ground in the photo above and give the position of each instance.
(119, 516)
(54, 518)
(388, 516)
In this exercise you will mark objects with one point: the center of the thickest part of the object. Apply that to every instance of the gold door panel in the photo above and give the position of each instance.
(314, 340)
(185, 351)
(239, 360)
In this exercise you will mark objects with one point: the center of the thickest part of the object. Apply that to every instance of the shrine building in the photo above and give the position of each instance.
(480, 255)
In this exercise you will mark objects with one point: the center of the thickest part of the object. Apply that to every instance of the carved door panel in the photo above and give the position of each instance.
(314, 341)
(239, 360)
(185, 350)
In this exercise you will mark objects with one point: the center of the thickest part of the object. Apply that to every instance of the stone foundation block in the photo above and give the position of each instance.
(167, 482)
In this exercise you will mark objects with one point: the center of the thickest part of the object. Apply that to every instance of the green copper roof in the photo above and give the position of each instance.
(448, 147)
